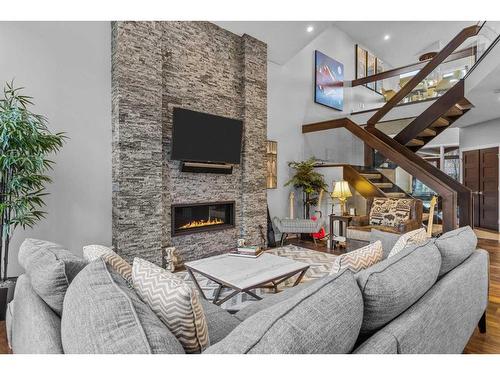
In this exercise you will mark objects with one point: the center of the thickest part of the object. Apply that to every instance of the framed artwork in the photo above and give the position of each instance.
(272, 165)
(361, 55)
(329, 81)
(370, 69)
(379, 85)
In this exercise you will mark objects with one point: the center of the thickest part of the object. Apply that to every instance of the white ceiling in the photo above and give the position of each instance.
(407, 38)
(284, 38)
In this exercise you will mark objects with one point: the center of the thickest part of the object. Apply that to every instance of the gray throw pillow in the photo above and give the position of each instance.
(51, 268)
(455, 247)
(388, 240)
(102, 315)
(393, 285)
(324, 317)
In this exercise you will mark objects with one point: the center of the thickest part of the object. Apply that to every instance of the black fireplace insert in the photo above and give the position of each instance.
(199, 217)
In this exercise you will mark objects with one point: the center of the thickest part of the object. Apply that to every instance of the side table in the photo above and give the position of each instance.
(343, 224)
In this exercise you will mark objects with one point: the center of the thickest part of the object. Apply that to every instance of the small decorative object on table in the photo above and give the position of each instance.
(171, 259)
(247, 251)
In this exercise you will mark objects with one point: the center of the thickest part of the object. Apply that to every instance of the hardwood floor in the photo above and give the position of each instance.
(4, 347)
(479, 343)
(489, 342)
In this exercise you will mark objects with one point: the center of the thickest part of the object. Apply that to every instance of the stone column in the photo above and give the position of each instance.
(253, 189)
(137, 139)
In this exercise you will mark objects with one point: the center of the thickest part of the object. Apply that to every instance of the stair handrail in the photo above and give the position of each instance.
(463, 35)
(436, 179)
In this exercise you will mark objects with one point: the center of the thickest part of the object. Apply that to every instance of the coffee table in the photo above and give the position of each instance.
(242, 274)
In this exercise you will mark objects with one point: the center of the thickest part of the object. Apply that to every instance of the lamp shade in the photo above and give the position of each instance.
(341, 190)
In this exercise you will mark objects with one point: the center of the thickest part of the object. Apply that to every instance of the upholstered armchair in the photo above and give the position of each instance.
(394, 215)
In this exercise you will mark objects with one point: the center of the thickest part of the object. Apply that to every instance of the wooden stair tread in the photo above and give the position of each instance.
(454, 111)
(425, 216)
(395, 195)
(415, 142)
(371, 176)
(428, 133)
(383, 185)
(440, 122)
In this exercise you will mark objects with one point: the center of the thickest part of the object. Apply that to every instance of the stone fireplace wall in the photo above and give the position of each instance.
(157, 66)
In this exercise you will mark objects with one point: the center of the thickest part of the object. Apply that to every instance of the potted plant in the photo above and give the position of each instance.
(25, 143)
(308, 180)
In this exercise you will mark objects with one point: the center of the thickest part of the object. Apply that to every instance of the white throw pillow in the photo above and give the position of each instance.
(360, 259)
(93, 252)
(415, 237)
(175, 303)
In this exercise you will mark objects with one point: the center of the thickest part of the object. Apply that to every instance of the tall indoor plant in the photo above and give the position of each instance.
(25, 143)
(308, 180)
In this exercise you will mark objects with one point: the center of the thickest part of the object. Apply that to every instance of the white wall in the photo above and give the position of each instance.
(483, 135)
(66, 67)
(291, 104)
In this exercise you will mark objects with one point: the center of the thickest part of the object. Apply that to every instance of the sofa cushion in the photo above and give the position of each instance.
(359, 259)
(102, 315)
(175, 303)
(120, 265)
(414, 237)
(396, 283)
(455, 247)
(51, 268)
(388, 240)
(35, 327)
(390, 211)
(324, 317)
(220, 323)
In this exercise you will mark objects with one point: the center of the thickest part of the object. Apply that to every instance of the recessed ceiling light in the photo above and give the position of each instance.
(387, 37)
(310, 29)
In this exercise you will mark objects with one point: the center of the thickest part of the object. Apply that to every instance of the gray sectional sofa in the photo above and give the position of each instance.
(426, 299)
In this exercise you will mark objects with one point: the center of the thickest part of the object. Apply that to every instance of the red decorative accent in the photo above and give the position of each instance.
(321, 234)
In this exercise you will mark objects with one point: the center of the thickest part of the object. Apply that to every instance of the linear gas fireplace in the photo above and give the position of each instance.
(200, 217)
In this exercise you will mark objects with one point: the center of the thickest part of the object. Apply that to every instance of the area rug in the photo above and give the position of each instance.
(320, 265)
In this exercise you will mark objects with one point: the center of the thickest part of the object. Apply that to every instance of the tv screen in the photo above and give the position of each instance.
(202, 137)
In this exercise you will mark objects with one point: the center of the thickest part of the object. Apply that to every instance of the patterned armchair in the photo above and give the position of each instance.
(395, 215)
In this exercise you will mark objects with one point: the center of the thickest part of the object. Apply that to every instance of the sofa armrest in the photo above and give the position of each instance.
(360, 221)
(409, 225)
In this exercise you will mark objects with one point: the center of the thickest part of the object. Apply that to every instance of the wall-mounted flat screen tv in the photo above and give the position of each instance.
(202, 137)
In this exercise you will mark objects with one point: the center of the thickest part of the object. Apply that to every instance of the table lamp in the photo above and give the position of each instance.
(341, 191)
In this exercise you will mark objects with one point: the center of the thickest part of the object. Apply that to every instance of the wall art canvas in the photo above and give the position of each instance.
(329, 90)
(370, 69)
(361, 56)
(379, 85)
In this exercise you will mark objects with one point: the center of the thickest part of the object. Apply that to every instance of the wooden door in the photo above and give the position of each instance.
(480, 174)
(488, 185)
(471, 179)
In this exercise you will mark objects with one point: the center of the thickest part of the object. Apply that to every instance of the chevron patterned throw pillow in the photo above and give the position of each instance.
(175, 303)
(360, 259)
(93, 252)
(415, 237)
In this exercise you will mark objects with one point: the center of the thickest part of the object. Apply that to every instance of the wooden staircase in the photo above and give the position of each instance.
(401, 150)
(435, 119)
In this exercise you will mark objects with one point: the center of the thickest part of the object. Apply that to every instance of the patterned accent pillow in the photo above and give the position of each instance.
(415, 237)
(390, 211)
(360, 259)
(93, 252)
(175, 303)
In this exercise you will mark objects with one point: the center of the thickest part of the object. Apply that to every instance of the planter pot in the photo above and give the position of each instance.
(6, 295)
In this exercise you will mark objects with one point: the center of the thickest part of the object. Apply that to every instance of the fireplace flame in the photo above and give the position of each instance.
(202, 223)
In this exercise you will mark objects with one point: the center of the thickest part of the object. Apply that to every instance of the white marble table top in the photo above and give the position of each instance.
(242, 273)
